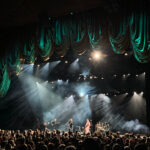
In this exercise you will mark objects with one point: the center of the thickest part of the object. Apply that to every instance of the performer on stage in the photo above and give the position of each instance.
(97, 126)
(70, 123)
(54, 122)
(87, 127)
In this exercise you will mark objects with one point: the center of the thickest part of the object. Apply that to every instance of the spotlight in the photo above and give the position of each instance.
(141, 93)
(126, 93)
(31, 63)
(17, 74)
(96, 55)
(66, 62)
(126, 54)
(102, 78)
(137, 75)
(71, 13)
(124, 75)
(46, 59)
(91, 77)
(81, 94)
(38, 65)
(95, 77)
(134, 92)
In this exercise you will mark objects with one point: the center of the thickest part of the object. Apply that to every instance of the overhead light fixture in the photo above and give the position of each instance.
(96, 55)
(126, 54)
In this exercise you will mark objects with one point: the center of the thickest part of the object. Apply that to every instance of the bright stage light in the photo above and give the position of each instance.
(86, 72)
(66, 62)
(96, 55)
(141, 94)
(126, 54)
(83, 89)
(124, 75)
(81, 94)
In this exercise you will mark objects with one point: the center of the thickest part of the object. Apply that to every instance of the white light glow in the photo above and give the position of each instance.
(96, 55)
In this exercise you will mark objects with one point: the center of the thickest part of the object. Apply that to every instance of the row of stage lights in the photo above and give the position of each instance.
(85, 77)
(110, 95)
(113, 94)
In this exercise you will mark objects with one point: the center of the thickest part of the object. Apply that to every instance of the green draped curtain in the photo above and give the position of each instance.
(10, 62)
(13, 59)
(60, 35)
(94, 33)
(45, 42)
(77, 31)
(78, 35)
(140, 36)
(4, 80)
(119, 36)
(28, 51)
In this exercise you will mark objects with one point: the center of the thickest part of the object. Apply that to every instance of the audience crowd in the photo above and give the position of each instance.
(57, 140)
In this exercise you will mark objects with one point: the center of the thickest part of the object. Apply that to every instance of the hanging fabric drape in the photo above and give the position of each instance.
(60, 35)
(139, 34)
(28, 51)
(44, 42)
(94, 32)
(119, 39)
(13, 60)
(4, 81)
(78, 35)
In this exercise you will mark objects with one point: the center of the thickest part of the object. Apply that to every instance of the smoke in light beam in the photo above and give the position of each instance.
(84, 88)
(74, 66)
(85, 72)
(54, 64)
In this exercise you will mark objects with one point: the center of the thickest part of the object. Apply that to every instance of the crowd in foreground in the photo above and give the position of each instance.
(57, 140)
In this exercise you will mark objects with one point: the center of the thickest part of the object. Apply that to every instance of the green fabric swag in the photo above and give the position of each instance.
(94, 33)
(29, 51)
(45, 42)
(4, 82)
(119, 39)
(139, 34)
